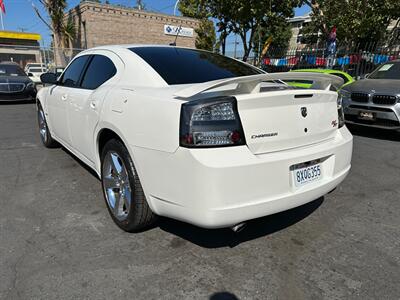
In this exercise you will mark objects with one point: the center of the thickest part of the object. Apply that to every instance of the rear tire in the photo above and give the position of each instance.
(44, 132)
(122, 189)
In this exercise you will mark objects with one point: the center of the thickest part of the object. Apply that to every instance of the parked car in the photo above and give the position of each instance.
(306, 84)
(34, 73)
(14, 84)
(58, 71)
(375, 101)
(35, 65)
(192, 135)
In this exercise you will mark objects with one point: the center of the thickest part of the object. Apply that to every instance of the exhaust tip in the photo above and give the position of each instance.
(238, 227)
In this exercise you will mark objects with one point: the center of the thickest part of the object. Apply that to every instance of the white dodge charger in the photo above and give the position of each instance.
(194, 135)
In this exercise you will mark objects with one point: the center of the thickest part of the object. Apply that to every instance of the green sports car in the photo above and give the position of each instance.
(307, 84)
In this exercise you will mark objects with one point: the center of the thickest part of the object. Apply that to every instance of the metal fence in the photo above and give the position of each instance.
(355, 60)
(49, 56)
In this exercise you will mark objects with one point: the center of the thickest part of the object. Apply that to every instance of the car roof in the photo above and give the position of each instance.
(128, 46)
(12, 63)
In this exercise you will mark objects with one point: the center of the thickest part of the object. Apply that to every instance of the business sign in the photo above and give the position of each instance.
(183, 31)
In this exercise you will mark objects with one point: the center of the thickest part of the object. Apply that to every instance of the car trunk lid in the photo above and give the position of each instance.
(281, 120)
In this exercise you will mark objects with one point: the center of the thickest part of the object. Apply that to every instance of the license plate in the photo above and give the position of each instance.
(306, 174)
(366, 115)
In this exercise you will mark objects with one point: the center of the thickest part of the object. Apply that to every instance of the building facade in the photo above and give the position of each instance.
(102, 24)
(296, 24)
(19, 47)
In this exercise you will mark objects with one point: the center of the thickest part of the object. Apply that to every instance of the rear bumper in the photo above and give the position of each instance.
(221, 187)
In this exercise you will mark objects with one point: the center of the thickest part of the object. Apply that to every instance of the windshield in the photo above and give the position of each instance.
(183, 66)
(11, 70)
(387, 71)
(35, 70)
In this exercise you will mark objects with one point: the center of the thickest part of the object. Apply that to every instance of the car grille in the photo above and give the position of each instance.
(11, 87)
(384, 99)
(379, 122)
(359, 97)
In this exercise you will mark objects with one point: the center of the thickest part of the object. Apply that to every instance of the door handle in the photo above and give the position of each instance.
(93, 105)
(64, 97)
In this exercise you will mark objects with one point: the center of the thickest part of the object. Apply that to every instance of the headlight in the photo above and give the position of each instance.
(30, 85)
(345, 95)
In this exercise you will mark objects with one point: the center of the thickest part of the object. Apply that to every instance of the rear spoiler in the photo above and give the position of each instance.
(251, 84)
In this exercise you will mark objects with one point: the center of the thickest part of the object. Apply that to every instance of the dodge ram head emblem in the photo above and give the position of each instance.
(304, 111)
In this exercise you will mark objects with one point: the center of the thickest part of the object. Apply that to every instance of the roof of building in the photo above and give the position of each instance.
(304, 18)
(20, 35)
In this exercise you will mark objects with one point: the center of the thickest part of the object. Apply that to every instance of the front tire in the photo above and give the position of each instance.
(122, 189)
(45, 136)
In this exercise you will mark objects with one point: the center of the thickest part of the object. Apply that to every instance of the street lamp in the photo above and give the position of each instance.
(176, 6)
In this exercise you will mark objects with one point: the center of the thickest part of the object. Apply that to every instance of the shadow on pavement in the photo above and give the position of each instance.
(216, 238)
(223, 296)
(16, 102)
(374, 133)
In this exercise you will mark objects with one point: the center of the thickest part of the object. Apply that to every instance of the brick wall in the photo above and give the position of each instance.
(100, 24)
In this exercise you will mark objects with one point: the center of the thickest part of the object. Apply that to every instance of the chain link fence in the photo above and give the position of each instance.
(354, 60)
(48, 56)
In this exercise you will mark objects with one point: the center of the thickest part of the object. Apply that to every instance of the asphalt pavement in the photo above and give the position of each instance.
(57, 240)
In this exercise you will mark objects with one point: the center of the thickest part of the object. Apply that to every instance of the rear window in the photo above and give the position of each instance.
(183, 66)
(35, 70)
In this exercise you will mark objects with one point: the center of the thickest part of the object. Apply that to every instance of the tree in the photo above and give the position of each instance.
(247, 18)
(360, 22)
(278, 30)
(63, 31)
(206, 39)
(198, 9)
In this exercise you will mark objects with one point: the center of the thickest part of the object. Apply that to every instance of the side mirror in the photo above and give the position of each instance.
(30, 74)
(50, 78)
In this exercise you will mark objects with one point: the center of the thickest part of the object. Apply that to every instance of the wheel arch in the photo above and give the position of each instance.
(104, 134)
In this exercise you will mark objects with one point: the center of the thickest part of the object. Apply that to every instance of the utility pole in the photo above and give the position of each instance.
(236, 42)
(176, 6)
(139, 4)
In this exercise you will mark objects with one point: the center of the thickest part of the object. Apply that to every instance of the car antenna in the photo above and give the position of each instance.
(176, 36)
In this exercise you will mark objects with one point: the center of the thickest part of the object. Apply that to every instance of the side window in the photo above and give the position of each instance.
(100, 69)
(72, 74)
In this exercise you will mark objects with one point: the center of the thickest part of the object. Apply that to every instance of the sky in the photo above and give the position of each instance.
(20, 15)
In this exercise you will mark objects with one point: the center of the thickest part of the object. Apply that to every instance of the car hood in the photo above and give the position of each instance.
(15, 79)
(380, 86)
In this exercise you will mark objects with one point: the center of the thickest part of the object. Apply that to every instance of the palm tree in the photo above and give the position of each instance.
(62, 30)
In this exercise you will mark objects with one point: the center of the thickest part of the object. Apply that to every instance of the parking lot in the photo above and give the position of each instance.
(57, 240)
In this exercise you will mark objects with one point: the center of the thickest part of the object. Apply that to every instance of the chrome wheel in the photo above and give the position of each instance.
(42, 125)
(116, 185)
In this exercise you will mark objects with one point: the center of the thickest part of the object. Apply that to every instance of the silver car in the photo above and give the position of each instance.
(375, 101)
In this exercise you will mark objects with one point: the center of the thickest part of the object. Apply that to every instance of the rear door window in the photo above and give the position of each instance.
(100, 69)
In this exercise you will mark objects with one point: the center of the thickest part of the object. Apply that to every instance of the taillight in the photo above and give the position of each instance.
(211, 122)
